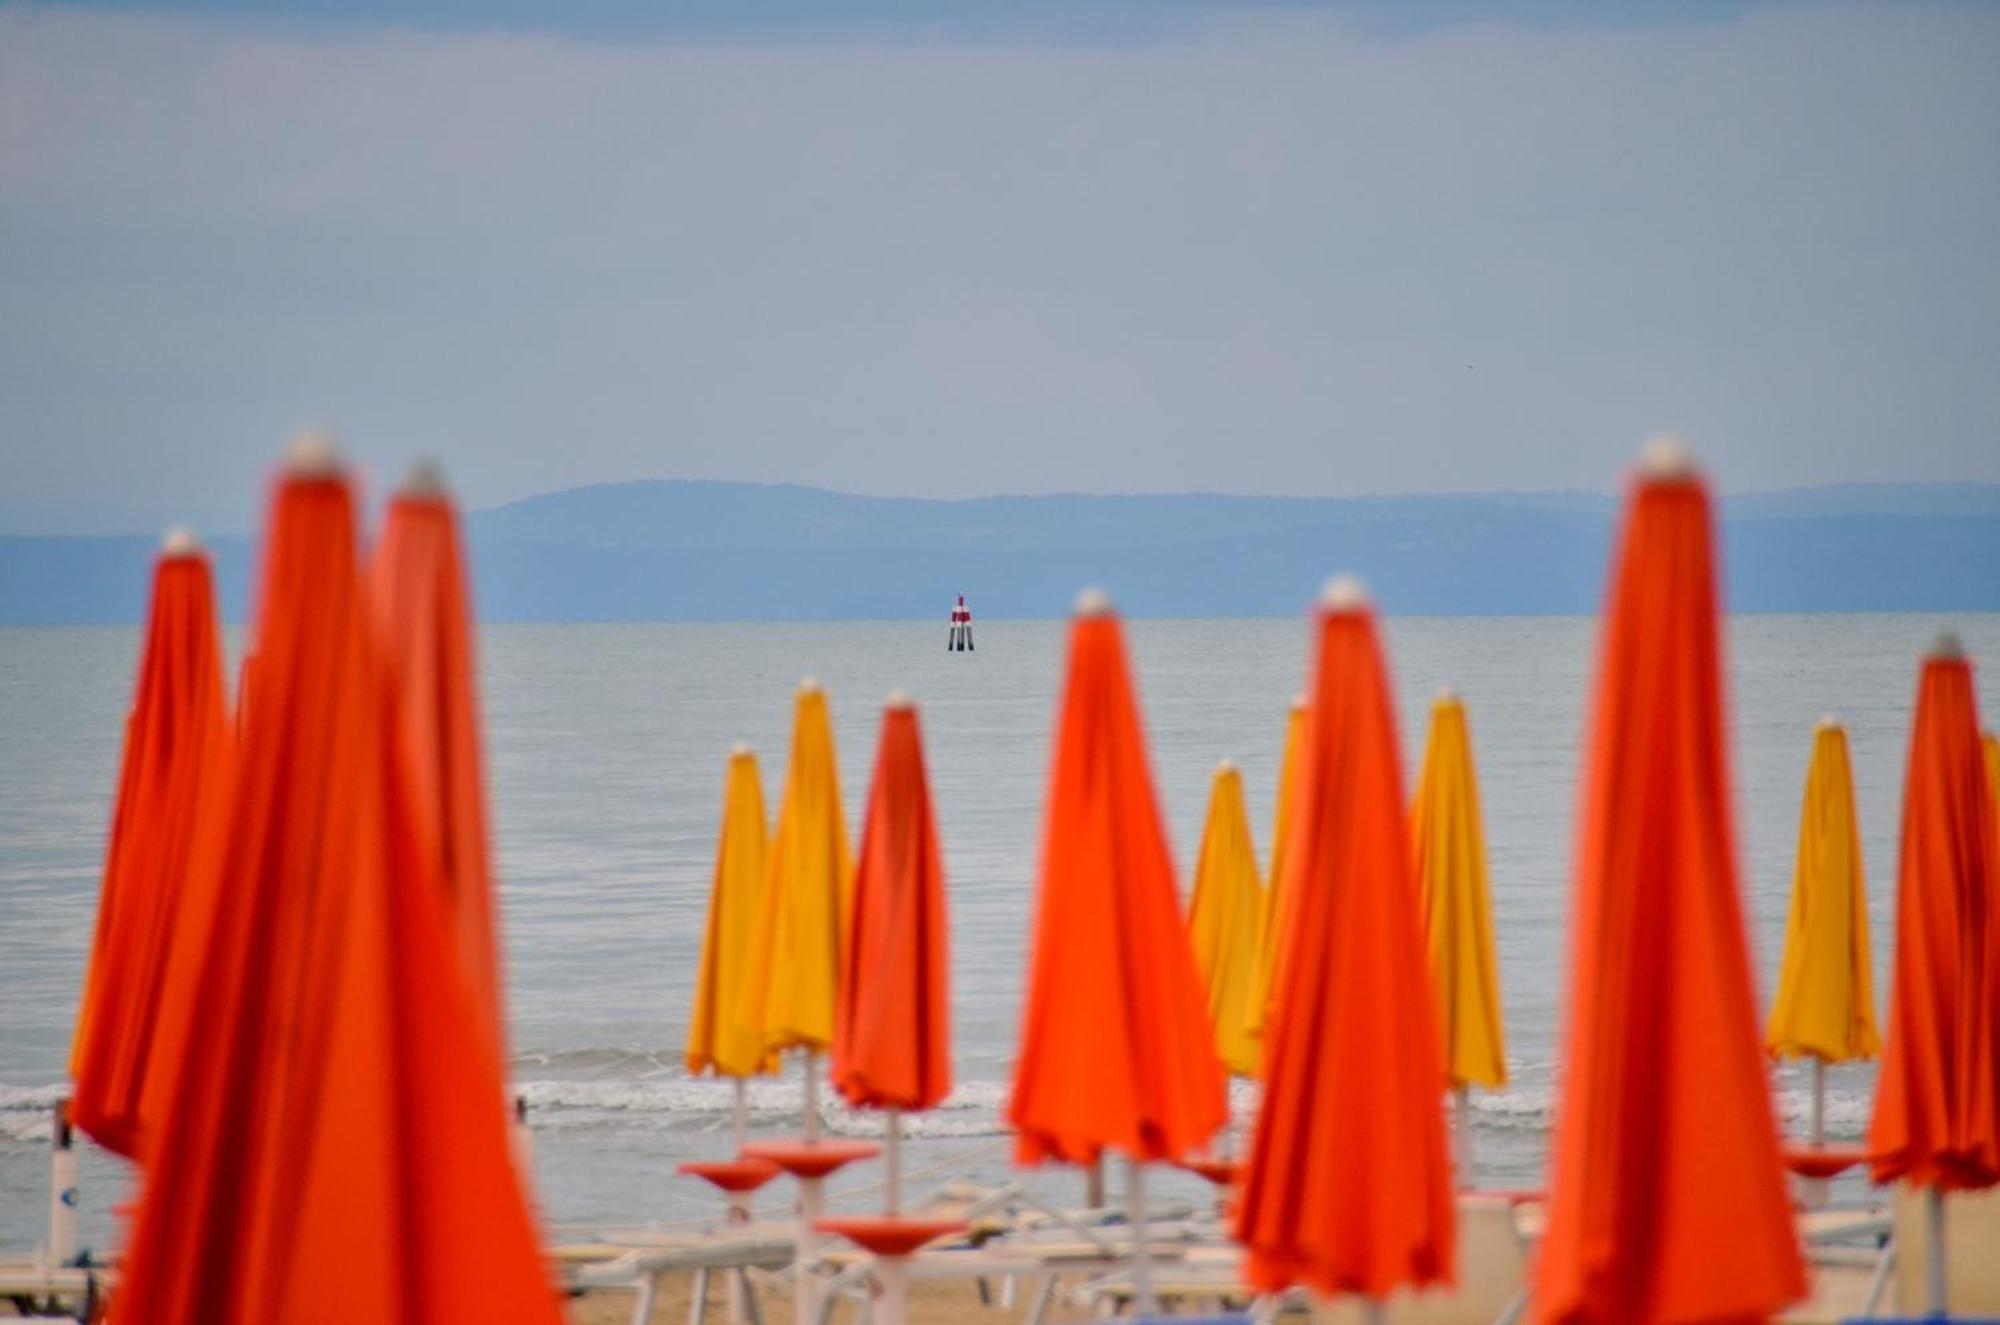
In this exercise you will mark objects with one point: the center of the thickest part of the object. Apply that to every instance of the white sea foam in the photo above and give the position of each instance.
(24, 1111)
(973, 1109)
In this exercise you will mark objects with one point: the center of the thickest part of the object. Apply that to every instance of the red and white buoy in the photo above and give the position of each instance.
(960, 640)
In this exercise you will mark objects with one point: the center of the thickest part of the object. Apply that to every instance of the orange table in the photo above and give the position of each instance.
(1822, 1161)
(810, 1160)
(893, 1240)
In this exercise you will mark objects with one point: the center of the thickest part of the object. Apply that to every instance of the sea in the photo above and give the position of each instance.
(605, 749)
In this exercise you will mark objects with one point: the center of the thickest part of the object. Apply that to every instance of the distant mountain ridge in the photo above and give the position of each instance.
(676, 549)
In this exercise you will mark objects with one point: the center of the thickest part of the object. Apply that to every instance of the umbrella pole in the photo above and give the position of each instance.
(805, 1289)
(1814, 1190)
(736, 1292)
(1934, 1249)
(1142, 1256)
(739, 1113)
(892, 1276)
(62, 1189)
(810, 1123)
(739, 1128)
(1817, 1125)
(1462, 1115)
(1373, 1312)
(892, 1162)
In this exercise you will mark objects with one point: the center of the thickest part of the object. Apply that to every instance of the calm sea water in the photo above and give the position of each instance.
(606, 747)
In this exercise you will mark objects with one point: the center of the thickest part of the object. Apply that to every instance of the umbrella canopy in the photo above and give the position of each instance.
(1457, 905)
(1269, 925)
(1935, 1122)
(1825, 1007)
(177, 756)
(246, 684)
(892, 1042)
(1991, 744)
(722, 1035)
(424, 623)
(1348, 1188)
(1222, 919)
(801, 938)
(1116, 1048)
(340, 1149)
(1667, 1201)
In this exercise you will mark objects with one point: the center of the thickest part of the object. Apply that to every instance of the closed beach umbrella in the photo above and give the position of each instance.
(1116, 1050)
(177, 757)
(892, 1036)
(1268, 917)
(810, 891)
(721, 1036)
(339, 1147)
(1668, 1200)
(1825, 1005)
(1348, 1188)
(1937, 1123)
(1222, 919)
(892, 1043)
(423, 617)
(1458, 914)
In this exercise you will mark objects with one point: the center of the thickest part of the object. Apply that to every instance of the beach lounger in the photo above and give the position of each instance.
(35, 1288)
(636, 1261)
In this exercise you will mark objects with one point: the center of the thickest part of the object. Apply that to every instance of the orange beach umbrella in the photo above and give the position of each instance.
(1935, 1123)
(1668, 1202)
(177, 755)
(892, 1037)
(1348, 1188)
(721, 1035)
(339, 1147)
(1222, 919)
(423, 617)
(1115, 1048)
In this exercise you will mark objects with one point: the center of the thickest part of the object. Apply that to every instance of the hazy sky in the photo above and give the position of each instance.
(901, 248)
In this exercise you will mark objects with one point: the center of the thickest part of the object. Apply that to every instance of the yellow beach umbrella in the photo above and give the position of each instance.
(721, 1035)
(808, 895)
(1825, 1007)
(1991, 744)
(1269, 915)
(1450, 841)
(1223, 917)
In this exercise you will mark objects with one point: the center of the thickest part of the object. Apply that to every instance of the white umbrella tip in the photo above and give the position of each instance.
(810, 685)
(741, 750)
(179, 541)
(1301, 702)
(1828, 722)
(1446, 695)
(1093, 602)
(1667, 456)
(1224, 766)
(312, 453)
(1948, 646)
(425, 479)
(898, 699)
(1344, 593)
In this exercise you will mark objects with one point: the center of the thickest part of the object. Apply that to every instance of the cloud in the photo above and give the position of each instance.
(1265, 251)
